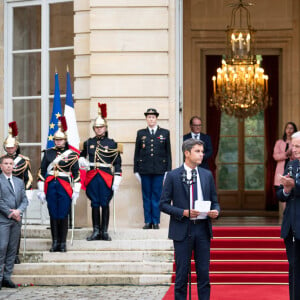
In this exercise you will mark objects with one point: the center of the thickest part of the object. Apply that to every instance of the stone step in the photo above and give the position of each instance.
(43, 231)
(114, 245)
(93, 279)
(111, 256)
(97, 268)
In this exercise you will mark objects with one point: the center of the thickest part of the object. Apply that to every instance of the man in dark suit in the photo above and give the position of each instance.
(289, 192)
(195, 125)
(13, 202)
(152, 158)
(190, 229)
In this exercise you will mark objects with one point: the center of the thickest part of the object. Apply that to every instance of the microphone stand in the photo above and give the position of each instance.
(189, 182)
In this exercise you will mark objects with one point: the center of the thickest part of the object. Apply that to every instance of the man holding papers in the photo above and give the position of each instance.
(189, 197)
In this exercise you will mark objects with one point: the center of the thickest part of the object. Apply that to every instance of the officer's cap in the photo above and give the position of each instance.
(151, 111)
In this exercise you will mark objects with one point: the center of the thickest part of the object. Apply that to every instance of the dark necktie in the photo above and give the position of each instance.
(10, 184)
(194, 187)
(196, 136)
(152, 131)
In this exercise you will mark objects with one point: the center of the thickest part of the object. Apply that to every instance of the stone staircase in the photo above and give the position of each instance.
(133, 257)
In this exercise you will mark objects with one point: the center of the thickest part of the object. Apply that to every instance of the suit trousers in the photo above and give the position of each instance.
(293, 255)
(199, 241)
(10, 233)
(151, 189)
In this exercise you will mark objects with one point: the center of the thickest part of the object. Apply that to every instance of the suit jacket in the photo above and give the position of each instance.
(152, 155)
(208, 150)
(177, 193)
(280, 157)
(10, 199)
(291, 214)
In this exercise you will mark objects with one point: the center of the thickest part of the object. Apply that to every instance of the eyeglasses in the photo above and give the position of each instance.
(197, 125)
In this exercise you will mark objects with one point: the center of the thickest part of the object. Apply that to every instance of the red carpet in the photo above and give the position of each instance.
(238, 292)
(246, 263)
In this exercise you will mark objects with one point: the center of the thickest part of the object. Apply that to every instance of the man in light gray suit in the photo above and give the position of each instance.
(13, 202)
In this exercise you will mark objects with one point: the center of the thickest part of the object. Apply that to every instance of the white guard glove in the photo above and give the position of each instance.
(117, 181)
(75, 196)
(41, 193)
(76, 191)
(83, 163)
(138, 177)
(29, 196)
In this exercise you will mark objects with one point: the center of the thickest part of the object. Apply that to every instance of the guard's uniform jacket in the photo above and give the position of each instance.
(59, 168)
(105, 162)
(22, 169)
(152, 152)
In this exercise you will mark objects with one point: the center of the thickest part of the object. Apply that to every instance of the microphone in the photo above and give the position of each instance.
(194, 176)
(290, 171)
(184, 176)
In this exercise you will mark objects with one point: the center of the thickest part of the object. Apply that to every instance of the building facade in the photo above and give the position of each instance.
(132, 55)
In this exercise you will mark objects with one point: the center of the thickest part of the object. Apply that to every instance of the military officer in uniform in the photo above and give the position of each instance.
(101, 157)
(21, 168)
(59, 184)
(152, 158)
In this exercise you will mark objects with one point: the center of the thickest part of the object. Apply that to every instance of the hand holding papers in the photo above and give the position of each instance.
(203, 207)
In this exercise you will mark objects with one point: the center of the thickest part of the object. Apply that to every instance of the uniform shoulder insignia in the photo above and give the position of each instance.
(24, 157)
(120, 147)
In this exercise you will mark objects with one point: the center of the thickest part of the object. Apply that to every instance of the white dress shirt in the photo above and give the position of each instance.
(11, 181)
(196, 136)
(199, 189)
(153, 128)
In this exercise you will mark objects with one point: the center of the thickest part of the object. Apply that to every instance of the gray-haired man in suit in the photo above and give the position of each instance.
(13, 202)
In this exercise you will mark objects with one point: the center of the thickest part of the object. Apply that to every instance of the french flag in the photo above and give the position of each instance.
(73, 135)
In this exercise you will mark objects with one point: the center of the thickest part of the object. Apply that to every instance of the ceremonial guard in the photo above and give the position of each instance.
(152, 158)
(101, 157)
(22, 168)
(59, 184)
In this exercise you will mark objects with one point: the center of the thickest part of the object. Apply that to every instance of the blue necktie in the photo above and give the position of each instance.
(194, 187)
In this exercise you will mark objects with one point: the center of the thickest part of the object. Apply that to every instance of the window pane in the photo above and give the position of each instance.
(61, 24)
(27, 74)
(27, 28)
(27, 114)
(254, 149)
(255, 125)
(59, 60)
(228, 149)
(254, 177)
(34, 153)
(229, 125)
(227, 177)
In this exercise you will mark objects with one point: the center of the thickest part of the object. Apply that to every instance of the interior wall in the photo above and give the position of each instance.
(204, 24)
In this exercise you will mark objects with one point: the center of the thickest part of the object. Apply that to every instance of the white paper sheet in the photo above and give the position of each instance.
(203, 207)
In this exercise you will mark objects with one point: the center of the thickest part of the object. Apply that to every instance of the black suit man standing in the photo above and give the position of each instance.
(196, 125)
(190, 229)
(13, 202)
(289, 192)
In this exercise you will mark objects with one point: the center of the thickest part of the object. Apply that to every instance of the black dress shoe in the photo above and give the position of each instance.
(8, 283)
(147, 226)
(155, 226)
(17, 260)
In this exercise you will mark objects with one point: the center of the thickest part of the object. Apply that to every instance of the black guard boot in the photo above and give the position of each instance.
(96, 235)
(54, 232)
(63, 232)
(105, 221)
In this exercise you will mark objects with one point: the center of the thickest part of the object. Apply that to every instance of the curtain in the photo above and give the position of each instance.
(270, 63)
(213, 115)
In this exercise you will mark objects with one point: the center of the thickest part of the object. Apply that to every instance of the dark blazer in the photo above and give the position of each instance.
(176, 192)
(152, 155)
(291, 215)
(10, 199)
(208, 150)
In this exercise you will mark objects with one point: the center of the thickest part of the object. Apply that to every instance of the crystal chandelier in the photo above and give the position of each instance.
(240, 87)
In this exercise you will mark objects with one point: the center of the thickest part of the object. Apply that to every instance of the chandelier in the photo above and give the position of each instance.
(240, 88)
